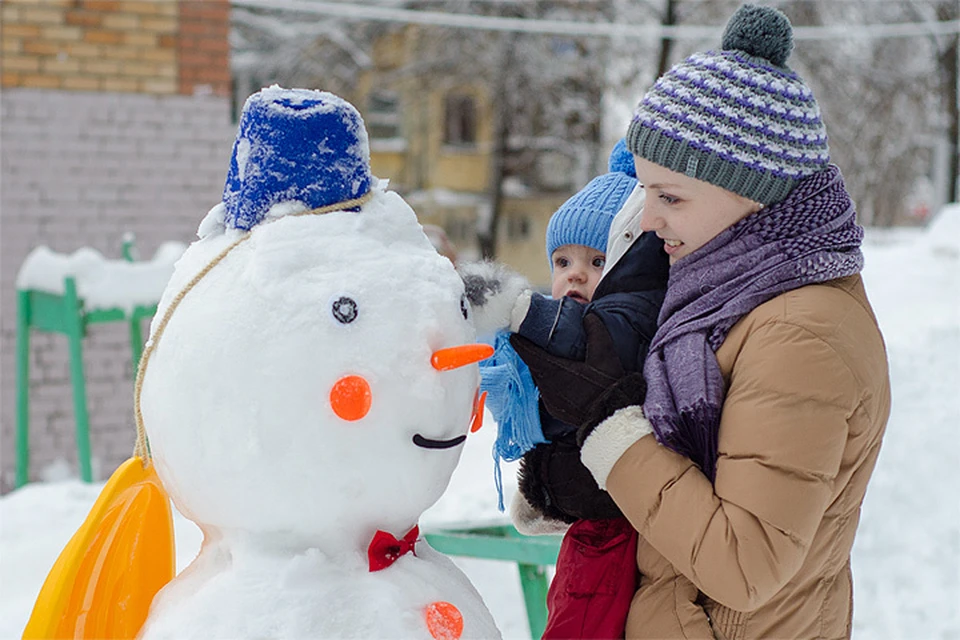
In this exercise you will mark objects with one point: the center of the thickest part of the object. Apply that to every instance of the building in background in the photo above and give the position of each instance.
(115, 118)
(433, 136)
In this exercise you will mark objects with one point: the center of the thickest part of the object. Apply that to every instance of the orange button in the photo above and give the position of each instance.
(444, 621)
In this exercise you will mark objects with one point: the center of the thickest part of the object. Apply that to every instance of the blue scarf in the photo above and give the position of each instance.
(513, 399)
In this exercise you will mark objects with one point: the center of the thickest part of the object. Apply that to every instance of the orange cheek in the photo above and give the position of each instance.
(350, 397)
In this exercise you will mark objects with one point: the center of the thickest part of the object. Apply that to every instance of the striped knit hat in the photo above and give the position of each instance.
(737, 118)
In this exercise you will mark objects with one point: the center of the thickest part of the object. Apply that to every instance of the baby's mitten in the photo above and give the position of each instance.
(628, 391)
(499, 296)
(573, 390)
(557, 484)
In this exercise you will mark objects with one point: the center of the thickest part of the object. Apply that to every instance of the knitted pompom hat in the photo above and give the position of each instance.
(299, 148)
(585, 218)
(737, 118)
(621, 159)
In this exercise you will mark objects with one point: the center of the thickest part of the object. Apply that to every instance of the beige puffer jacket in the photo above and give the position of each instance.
(765, 551)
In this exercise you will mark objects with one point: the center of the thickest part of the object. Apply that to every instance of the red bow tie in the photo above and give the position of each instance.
(384, 549)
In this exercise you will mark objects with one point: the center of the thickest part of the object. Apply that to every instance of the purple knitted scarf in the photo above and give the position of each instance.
(811, 236)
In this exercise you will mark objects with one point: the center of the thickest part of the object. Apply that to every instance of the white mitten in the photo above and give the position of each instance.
(531, 522)
(611, 438)
(499, 296)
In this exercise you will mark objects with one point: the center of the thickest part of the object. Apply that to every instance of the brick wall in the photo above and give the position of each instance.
(106, 127)
(203, 48)
(134, 46)
(80, 169)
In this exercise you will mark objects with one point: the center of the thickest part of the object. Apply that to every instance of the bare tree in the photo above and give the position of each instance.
(270, 46)
(878, 99)
(949, 52)
(666, 44)
(545, 94)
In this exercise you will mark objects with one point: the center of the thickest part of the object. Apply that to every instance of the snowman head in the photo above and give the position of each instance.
(295, 391)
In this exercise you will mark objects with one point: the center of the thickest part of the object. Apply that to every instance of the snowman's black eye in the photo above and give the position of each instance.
(463, 306)
(344, 309)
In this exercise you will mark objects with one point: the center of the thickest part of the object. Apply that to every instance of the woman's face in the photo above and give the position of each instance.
(687, 213)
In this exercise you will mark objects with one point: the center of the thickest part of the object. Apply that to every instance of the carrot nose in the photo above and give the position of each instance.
(455, 357)
(350, 397)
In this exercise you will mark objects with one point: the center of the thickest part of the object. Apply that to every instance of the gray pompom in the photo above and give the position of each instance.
(764, 32)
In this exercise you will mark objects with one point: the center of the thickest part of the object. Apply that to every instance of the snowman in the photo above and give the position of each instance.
(307, 391)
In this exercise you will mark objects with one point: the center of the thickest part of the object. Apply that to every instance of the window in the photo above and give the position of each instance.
(383, 115)
(460, 120)
(564, 47)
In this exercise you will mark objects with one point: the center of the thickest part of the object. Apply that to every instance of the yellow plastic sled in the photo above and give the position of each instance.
(104, 580)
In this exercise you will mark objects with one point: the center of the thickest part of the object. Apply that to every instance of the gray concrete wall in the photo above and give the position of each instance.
(81, 169)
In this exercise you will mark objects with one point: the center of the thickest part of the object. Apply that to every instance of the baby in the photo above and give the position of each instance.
(555, 489)
(624, 296)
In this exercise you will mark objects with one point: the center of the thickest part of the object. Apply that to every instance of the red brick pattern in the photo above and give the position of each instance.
(126, 46)
(203, 49)
(114, 117)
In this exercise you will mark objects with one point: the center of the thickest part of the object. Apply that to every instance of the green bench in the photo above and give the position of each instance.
(64, 314)
(532, 554)
(68, 315)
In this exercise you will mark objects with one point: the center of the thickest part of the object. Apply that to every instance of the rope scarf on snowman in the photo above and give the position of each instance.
(384, 549)
(142, 447)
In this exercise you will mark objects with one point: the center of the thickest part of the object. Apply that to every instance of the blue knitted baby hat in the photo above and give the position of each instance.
(737, 118)
(585, 218)
(299, 146)
(621, 159)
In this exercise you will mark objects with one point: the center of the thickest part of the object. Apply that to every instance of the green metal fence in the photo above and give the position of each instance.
(532, 554)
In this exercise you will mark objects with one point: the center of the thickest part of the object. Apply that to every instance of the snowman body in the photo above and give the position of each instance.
(226, 594)
(240, 403)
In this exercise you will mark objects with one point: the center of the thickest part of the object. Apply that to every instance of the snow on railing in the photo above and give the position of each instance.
(102, 283)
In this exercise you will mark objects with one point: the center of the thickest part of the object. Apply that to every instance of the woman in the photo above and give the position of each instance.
(767, 383)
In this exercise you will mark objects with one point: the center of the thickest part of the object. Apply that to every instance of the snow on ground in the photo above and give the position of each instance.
(906, 558)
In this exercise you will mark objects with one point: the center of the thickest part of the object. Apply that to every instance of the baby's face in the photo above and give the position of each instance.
(576, 271)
